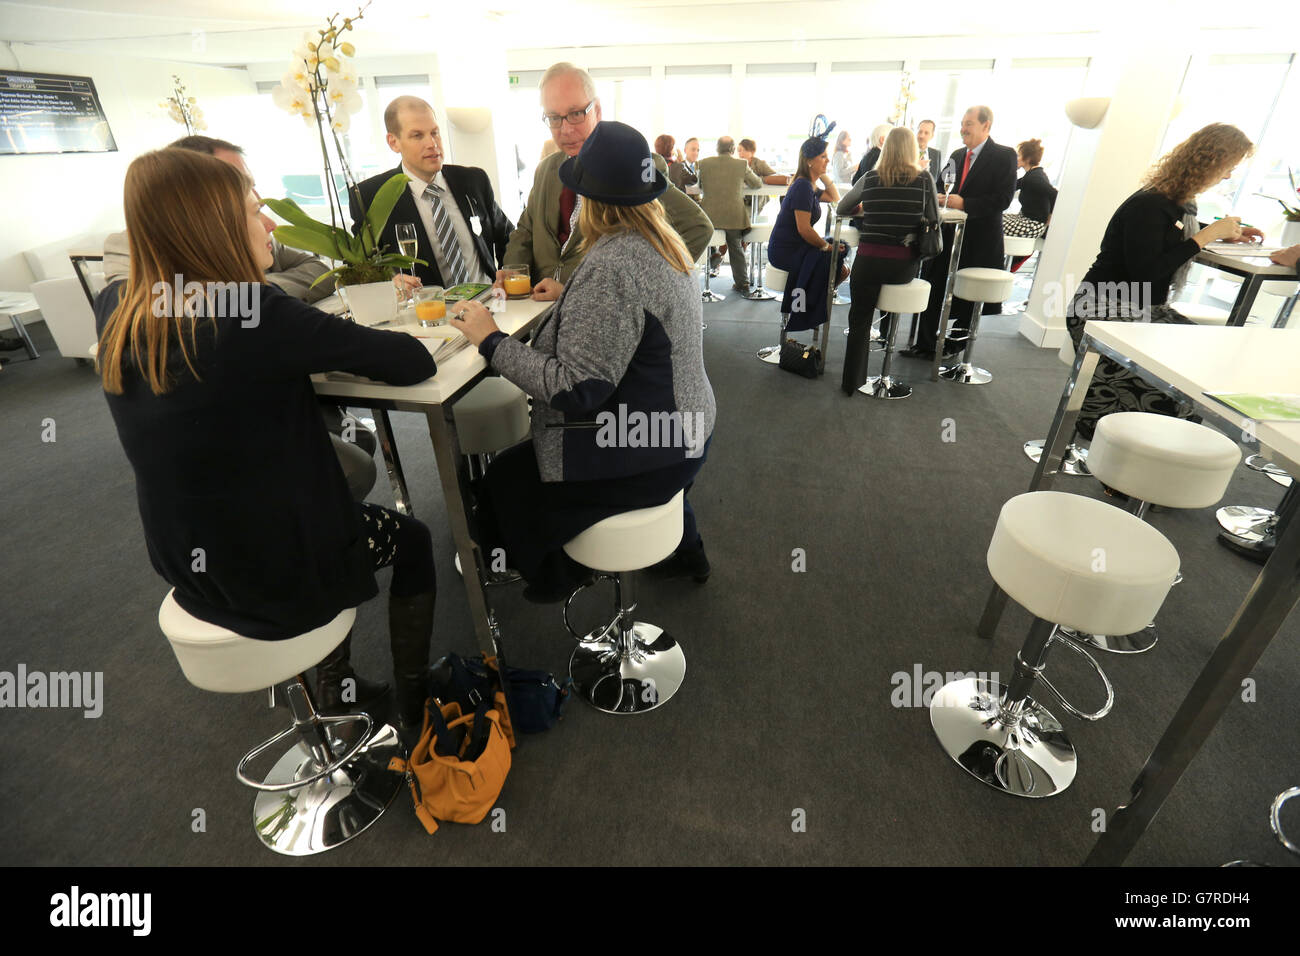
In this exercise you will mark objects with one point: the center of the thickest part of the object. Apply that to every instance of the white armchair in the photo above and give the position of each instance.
(67, 315)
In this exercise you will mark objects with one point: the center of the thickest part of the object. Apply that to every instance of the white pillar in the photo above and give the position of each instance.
(474, 90)
(1104, 166)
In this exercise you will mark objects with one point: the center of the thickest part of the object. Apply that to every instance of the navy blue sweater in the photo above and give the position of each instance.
(240, 466)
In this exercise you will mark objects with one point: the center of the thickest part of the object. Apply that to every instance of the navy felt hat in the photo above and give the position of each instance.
(614, 166)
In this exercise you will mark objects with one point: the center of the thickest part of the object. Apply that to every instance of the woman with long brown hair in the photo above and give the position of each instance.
(621, 351)
(1146, 251)
(895, 197)
(205, 366)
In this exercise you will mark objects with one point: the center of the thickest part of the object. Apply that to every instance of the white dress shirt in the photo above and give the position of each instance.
(468, 252)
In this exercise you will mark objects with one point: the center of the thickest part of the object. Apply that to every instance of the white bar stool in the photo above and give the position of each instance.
(757, 237)
(1075, 460)
(976, 285)
(719, 238)
(491, 417)
(322, 791)
(1156, 459)
(776, 279)
(1201, 314)
(627, 666)
(1044, 554)
(897, 300)
(1013, 247)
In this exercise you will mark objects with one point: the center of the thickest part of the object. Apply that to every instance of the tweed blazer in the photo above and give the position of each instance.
(721, 180)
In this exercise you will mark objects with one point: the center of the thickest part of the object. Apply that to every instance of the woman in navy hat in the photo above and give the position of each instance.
(796, 245)
(622, 409)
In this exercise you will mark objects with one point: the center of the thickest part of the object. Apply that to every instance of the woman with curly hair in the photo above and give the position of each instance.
(1146, 251)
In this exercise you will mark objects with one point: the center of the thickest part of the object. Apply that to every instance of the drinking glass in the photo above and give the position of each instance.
(518, 280)
(430, 306)
(949, 177)
(408, 245)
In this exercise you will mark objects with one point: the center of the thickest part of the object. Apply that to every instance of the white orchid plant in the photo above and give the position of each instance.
(903, 103)
(321, 87)
(183, 108)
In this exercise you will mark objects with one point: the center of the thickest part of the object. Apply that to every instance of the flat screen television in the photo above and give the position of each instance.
(51, 113)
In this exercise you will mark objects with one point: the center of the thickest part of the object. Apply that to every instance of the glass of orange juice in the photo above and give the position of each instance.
(430, 306)
(518, 281)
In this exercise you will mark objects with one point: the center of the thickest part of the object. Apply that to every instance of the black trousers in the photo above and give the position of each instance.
(869, 274)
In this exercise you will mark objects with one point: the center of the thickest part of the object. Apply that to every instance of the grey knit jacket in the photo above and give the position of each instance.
(616, 370)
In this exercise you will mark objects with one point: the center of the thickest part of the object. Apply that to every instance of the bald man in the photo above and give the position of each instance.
(462, 232)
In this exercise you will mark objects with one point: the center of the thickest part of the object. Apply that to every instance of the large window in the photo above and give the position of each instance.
(778, 103)
(697, 103)
(945, 89)
(861, 96)
(1030, 104)
(1246, 91)
(627, 95)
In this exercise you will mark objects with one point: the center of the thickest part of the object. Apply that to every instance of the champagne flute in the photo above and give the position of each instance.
(408, 245)
(949, 177)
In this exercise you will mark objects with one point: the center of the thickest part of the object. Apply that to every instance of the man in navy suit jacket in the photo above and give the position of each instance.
(925, 133)
(983, 188)
(480, 228)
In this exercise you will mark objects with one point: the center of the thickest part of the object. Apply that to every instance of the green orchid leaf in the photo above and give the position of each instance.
(289, 210)
(381, 207)
(309, 240)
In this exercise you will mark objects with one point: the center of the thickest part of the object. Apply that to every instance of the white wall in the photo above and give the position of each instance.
(49, 197)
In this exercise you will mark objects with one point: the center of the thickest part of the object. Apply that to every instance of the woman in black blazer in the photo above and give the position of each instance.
(246, 512)
(1037, 194)
(1147, 248)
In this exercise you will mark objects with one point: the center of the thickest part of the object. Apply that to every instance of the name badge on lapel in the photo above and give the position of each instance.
(476, 224)
(1178, 225)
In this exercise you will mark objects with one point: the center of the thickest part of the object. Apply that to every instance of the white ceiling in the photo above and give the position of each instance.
(254, 31)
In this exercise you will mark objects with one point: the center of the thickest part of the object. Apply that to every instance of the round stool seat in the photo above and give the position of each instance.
(1081, 563)
(904, 298)
(759, 232)
(1162, 460)
(492, 416)
(719, 238)
(1039, 243)
(975, 284)
(1201, 314)
(774, 278)
(632, 540)
(216, 659)
(850, 235)
(1018, 245)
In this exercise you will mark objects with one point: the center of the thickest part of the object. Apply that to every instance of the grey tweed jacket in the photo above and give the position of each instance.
(616, 370)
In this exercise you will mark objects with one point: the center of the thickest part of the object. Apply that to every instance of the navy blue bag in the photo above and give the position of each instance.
(534, 699)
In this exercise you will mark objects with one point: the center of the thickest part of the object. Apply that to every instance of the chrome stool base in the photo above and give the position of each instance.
(648, 674)
(884, 386)
(1244, 521)
(1074, 462)
(710, 296)
(757, 295)
(1026, 755)
(1138, 642)
(328, 812)
(771, 354)
(1275, 818)
(966, 374)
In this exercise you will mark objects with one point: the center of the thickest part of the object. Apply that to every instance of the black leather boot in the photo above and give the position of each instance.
(330, 675)
(410, 631)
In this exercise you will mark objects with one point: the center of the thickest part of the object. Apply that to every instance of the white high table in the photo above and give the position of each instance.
(435, 399)
(1254, 272)
(1185, 362)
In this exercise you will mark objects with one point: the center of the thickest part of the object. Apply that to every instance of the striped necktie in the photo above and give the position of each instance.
(451, 253)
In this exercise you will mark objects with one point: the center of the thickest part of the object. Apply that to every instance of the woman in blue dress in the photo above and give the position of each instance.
(798, 247)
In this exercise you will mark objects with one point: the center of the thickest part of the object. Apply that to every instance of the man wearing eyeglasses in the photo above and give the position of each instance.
(548, 236)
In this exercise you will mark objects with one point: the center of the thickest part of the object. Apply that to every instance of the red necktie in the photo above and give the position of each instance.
(568, 199)
(965, 168)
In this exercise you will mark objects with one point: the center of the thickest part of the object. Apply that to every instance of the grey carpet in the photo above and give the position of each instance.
(787, 701)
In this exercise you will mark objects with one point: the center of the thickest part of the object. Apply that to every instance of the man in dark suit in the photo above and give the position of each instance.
(462, 232)
(984, 185)
(925, 133)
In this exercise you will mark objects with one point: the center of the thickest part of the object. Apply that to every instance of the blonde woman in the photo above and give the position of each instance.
(622, 346)
(1146, 250)
(894, 196)
(284, 546)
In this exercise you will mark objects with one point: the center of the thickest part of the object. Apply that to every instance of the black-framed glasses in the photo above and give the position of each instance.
(554, 120)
